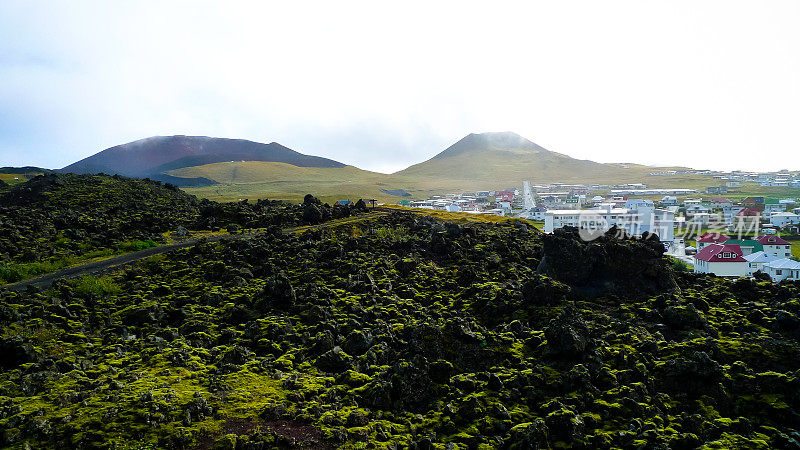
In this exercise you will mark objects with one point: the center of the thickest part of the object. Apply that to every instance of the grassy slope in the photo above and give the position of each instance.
(465, 218)
(795, 249)
(9, 178)
(258, 179)
(497, 166)
(255, 179)
(466, 166)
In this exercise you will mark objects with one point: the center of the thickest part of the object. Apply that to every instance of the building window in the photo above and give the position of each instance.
(778, 272)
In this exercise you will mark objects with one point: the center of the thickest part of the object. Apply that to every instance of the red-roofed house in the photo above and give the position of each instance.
(748, 219)
(775, 246)
(722, 260)
(720, 203)
(711, 238)
(749, 212)
(504, 196)
(756, 203)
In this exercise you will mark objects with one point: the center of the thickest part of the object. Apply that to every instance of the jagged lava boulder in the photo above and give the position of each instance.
(625, 266)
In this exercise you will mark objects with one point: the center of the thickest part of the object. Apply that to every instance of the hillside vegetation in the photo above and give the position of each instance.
(245, 179)
(489, 157)
(402, 331)
(235, 169)
(56, 220)
(476, 162)
(155, 155)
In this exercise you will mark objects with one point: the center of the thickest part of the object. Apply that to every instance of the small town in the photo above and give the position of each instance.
(710, 233)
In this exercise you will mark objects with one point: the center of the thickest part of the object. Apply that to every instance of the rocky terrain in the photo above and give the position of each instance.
(57, 220)
(400, 331)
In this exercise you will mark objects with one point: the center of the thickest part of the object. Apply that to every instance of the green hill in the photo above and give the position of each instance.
(153, 156)
(494, 159)
(478, 161)
(260, 179)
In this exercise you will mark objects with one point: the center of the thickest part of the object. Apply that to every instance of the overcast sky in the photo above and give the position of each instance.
(707, 84)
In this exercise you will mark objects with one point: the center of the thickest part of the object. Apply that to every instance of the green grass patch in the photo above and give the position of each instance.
(795, 248)
(101, 286)
(13, 272)
(135, 246)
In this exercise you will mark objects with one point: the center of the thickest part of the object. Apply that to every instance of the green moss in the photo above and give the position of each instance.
(95, 286)
(728, 440)
(188, 349)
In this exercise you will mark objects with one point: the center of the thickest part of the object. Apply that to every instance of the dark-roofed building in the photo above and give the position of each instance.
(723, 260)
(711, 238)
(776, 246)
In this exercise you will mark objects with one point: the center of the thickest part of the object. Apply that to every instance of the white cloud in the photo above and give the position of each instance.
(714, 84)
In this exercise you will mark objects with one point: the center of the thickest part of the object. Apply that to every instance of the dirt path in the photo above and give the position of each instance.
(45, 281)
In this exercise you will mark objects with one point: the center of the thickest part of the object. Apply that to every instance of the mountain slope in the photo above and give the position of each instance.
(155, 155)
(495, 141)
(263, 179)
(245, 172)
(508, 157)
(477, 161)
(230, 169)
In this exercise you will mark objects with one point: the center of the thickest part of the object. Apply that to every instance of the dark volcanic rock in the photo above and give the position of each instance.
(544, 291)
(411, 385)
(683, 317)
(334, 360)
(530, 436)
(565, 425)
(696, 374)
(567, 334)
(630, 267)
(14, 351)
(279, 291)
(357, 342)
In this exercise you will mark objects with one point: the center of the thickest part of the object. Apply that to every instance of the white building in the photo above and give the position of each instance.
(772, 206)
(783, 269)
(635, 203)
(693, 209)
(722, 260)
(720, 203)
(640, 192)
(703, 219)
(782, 219)
(596, 200)
(776, 246)
(729, 213)
(669, 200)
(633, 221)
(757, 260)
(537, 213)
